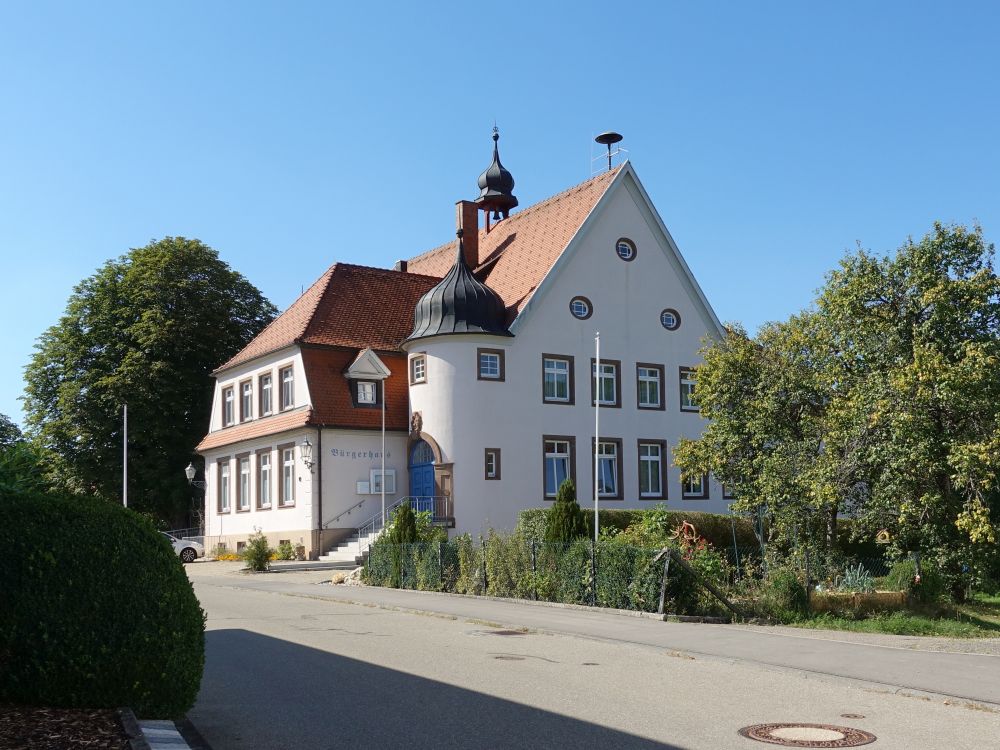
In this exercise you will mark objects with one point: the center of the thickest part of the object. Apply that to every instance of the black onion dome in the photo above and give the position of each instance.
(496, 184)
(460, 303)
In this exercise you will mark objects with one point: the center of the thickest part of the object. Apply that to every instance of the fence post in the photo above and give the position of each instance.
(441, 564)
(663, 584)
(485, 580)
(807, 578)
(534, 573)
(593, 573)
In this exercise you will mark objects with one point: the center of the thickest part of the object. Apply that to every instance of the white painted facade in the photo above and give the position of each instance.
(466, 415)
(462, 415)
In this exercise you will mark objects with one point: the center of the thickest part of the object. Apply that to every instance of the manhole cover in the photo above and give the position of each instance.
(808, 735)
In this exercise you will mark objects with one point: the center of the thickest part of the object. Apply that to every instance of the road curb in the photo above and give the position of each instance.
(151, 734)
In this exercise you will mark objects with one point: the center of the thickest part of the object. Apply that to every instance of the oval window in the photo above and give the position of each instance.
(625, 249)
(670, 319)
(581, 308)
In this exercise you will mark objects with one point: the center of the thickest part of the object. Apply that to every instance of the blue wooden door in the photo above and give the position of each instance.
(422, 477)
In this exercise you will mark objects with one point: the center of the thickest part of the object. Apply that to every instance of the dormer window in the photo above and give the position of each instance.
(367, 392)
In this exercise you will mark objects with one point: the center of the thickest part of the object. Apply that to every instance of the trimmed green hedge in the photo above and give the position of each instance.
(715, 527)
(95, 610)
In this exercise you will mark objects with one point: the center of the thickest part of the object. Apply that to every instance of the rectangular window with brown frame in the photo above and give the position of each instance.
(559, 463)
(652, 469)
(243, 483)
(228, 406)
(607, 383)
(688, 381)
(287, 377)
(490, 364)
(610, 468)
(558, 386)
(246, 400)
(694, 487)
(418, 368)
(264, 479)
(265, 387)
(649, 386)
(286, 489)
(224, 486)
(492, 467)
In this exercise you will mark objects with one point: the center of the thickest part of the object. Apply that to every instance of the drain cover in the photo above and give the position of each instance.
(808, 735)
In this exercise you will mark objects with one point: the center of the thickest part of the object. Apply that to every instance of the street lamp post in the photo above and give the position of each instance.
(190, 472)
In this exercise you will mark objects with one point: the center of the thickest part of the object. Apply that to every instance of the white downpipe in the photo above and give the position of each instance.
(597, 429)
(125, 456)
(383, 454)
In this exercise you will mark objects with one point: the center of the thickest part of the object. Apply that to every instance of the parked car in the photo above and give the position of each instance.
(188, 549)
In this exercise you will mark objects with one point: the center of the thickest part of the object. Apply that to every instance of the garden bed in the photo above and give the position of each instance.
(61, 728)
(859, 603)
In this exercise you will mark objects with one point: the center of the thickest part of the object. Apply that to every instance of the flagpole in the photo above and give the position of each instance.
(597, 429)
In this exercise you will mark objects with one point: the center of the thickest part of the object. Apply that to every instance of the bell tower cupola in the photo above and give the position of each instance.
(496, 187)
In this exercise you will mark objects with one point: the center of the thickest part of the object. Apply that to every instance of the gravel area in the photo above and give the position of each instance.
(61, 729)
(987, 646)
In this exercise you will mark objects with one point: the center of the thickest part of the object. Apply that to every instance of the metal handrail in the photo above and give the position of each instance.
(440, 509)
(374, 526)
(346, 512)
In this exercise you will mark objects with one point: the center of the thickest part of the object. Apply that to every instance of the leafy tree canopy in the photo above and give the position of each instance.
(10, 433)
(883, 400)
(146, 330)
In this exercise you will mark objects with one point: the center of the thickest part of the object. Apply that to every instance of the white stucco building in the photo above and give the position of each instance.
(488, 342)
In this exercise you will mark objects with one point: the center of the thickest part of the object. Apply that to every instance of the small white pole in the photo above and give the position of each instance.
(597, 429)
(383, 453)
(125, 456)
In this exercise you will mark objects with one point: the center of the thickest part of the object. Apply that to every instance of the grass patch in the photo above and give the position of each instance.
(977, 618)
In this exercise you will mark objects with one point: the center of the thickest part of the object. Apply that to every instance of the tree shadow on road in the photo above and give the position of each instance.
(264, 692)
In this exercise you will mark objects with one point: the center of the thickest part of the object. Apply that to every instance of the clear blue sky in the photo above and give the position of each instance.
(771, 136)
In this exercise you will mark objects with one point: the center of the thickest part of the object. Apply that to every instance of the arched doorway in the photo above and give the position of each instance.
(421, 468)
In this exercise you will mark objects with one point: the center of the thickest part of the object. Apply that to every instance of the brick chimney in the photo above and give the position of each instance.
(467, 219)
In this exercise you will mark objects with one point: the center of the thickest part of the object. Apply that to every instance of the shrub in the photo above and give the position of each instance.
(257, 553)
(782, 597)
(96, 610)
(285, 550)
(404, 526)
(565, 520)
(929, 590)
(716, 528)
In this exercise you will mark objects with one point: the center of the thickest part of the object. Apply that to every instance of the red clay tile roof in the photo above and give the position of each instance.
(257, 428)
(331, 396)
(519, 251)
(348, 305)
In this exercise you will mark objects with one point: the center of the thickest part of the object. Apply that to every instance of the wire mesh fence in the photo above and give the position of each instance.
(604, 574)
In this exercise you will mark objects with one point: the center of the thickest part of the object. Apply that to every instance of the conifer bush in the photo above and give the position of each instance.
(564, 522)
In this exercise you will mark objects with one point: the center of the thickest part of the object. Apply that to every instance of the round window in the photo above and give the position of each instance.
(670, 319)
(625, 249)
(581, 308)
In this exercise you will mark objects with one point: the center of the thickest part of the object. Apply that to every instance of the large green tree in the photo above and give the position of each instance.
(146, 330)
(883, 401)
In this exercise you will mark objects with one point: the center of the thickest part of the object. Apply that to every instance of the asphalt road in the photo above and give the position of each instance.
(290, 667)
